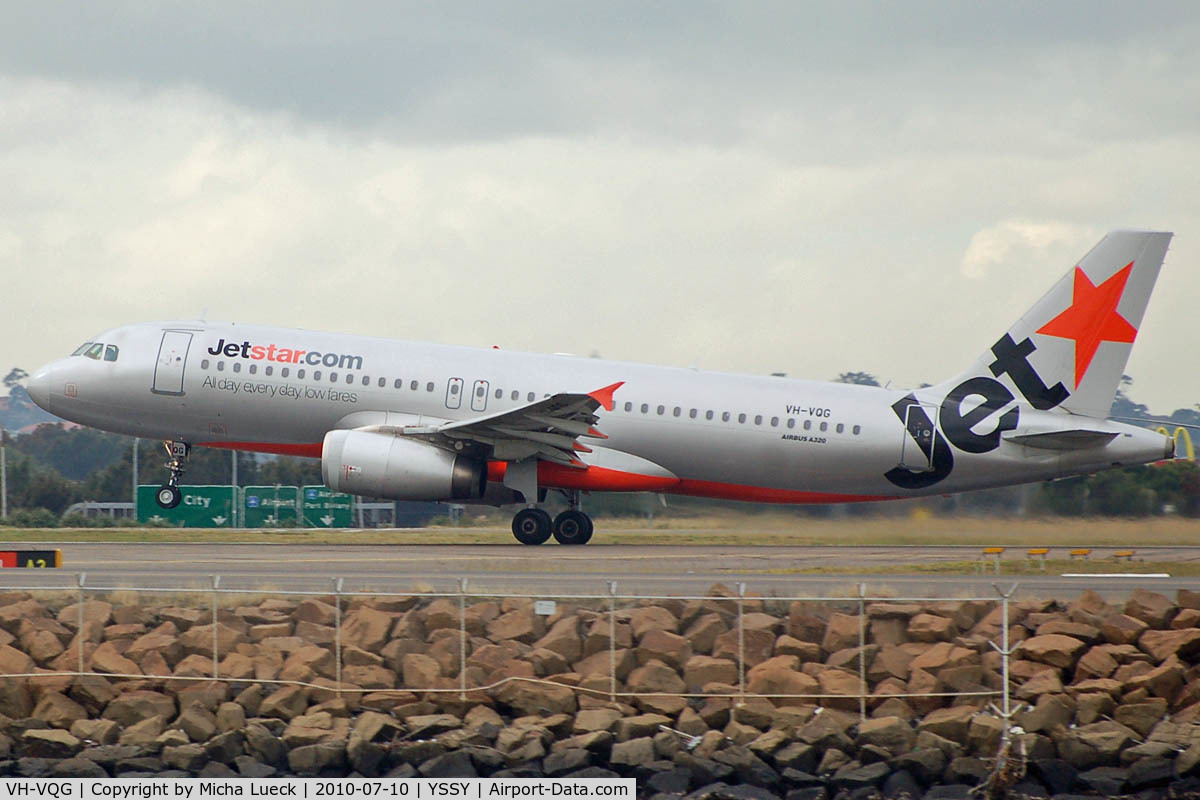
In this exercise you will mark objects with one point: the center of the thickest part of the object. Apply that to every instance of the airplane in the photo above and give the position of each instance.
(411, 421)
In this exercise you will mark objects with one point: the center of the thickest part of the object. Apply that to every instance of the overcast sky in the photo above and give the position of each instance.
(767, 187)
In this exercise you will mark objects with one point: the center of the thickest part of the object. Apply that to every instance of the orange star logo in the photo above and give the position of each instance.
(1092, 318)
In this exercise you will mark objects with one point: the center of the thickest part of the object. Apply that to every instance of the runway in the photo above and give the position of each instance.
(559, 571)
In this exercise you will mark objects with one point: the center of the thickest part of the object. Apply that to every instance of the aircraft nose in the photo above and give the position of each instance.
(39, 387)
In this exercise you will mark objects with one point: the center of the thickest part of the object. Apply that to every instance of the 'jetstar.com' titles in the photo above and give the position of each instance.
(285, 355)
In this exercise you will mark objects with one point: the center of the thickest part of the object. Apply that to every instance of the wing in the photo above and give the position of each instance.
(548, 429)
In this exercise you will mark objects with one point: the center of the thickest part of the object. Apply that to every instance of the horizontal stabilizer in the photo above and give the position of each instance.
(1078, 439)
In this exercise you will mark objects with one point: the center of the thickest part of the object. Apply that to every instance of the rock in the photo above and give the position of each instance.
(50, 743)
(640, 726)
(942, 655)
(655, 676)
(837, 682)
(756, 646)
(564, 639)
(520, 625)
(632, 752)
(309, 760)
(58, 710)
(861, 777)
(1051, 712)
(1141, 717)
(776, 679)
(930, 628)
(1183, 643)
(891, 733)
(1151, 608)
(984, 734)
(99, 731)
(267, 746)
(1122, 629)
(749, 768)
(197, 722)
(565, 761)
(248, 767)
(367, 628)
(225, 747)
(455, 764)
(144, 732)
(1054, 649)
(420, 671)
(948, 723)
(1098, 744)
(284, 703)
(135, 706)
(187, 757)
(702, 670)
(1045, 682)
(530, 698)
(664, 646)
(703, 632)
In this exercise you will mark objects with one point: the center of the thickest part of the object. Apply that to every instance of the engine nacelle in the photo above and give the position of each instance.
(383, 465)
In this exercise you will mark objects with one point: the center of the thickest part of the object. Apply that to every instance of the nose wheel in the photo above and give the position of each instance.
(168, 495)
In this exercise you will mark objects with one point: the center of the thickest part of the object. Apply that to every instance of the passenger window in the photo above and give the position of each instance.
(774, 422)
(300, 374)
(791, 422)
(80, 350)
(677, 411)
(220, 366)
(529, 397)
(480, 391)
(237, 366)
(808, 424)
(724, 416)
(499, 394)
(758, 419)
(316, 374)
(454, 388)
(382, 383)
(94, 351)
(692, 413)
(824, 426)
(708, 414)
(414, 385)
(840, 427)
(516, 395)
(333, 377)
(856, 430)
(204, 364)
(429, 386)
(398, 383)
(628, 407)
(742, 418)
(661, 409)
(110, 352)
(645, 408)
(254, 369)
(283, 372)
(269, 370)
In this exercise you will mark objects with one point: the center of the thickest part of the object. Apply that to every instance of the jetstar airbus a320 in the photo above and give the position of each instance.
(409, 421)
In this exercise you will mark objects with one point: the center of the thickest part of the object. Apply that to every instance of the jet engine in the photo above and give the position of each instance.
(384, 465)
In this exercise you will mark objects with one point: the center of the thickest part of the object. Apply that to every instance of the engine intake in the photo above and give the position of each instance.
(383, 465)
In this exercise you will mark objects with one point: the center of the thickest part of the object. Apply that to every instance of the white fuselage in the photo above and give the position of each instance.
(707, 433)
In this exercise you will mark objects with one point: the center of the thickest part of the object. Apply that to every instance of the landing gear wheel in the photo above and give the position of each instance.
(531, 526)
(168, 496)
(572, 527)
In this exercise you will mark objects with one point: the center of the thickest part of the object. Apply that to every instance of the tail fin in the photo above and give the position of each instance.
(1071, 348)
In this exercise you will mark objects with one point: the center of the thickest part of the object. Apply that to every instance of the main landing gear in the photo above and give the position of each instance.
(168, 494)
(533, 525)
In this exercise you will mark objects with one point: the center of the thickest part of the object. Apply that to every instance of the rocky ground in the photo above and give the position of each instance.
(1109, 696)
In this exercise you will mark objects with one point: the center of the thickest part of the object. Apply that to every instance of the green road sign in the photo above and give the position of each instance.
(269, 506)
(199, 507)
(324, 509)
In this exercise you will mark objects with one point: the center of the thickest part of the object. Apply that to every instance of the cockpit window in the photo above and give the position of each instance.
(81, 348)
(95, 351)
(110, 352)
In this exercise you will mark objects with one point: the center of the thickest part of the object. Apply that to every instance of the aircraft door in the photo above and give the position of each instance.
(920, 424)
(172, 358)
(479, 396)
(454, 390)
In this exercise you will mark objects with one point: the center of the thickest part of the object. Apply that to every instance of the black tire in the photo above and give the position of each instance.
(168, 496)
(531, 526)
(572, 527)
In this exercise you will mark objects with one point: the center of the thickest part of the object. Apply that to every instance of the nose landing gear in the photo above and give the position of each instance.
(168, 495)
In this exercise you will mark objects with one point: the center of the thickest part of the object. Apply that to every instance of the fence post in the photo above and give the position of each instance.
(216, 582)
(741, 587)
(862, 652)
(337, 632)
(462, 638)
(612, 641)
(79, 631)
(1006, 712)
